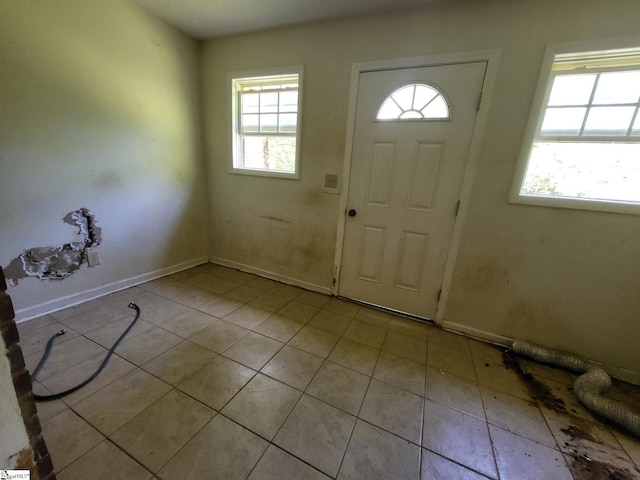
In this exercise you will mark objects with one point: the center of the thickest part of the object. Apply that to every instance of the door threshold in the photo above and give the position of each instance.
(390, 310)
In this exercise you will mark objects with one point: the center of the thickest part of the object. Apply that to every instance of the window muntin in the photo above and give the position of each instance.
(595, 104)
(268, 109)
(584, 150)
(266, 116)
(417, 101)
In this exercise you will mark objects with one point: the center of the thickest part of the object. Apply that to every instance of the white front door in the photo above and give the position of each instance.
(412, 132)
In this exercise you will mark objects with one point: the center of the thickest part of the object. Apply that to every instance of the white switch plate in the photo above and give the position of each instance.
(330, 180)
(331, 183)
(93, 258)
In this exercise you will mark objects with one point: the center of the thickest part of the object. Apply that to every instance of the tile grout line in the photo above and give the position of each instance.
(357, 417)
(219, 412)
(486, 420)
(156, 474)
(105, 438)
(424, 404)
(303, 393)
(325, 361)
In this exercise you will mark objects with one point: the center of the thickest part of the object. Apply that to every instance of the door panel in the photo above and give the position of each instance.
(405, 182)
(381, 168)
(425, 176)
(413, 248)
(371, 252)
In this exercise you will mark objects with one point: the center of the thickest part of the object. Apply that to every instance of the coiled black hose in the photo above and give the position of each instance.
(47, 351)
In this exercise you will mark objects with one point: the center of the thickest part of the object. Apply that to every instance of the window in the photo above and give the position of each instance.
(417, 101)
(265, 121)
(582, 148)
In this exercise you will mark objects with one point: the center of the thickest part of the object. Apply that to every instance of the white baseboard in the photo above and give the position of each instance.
(620, 373)
(51, 306)
(273, 276)
(615, 372)
(478, 334)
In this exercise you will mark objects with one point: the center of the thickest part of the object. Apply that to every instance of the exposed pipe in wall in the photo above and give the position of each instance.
(588, 387)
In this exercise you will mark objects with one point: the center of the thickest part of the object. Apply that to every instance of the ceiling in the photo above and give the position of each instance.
(214, 18)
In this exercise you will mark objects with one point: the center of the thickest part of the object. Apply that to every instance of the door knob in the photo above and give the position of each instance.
(351, 213)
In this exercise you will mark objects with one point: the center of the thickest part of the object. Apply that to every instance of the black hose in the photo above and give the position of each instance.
(55, 396)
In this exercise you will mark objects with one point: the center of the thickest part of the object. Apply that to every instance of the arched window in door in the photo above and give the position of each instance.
(417, 101)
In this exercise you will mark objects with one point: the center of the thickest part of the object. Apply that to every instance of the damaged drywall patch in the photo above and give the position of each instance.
(86, 226)
(57, 262)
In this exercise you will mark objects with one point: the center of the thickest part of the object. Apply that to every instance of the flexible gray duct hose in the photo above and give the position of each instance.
(552, 357)
(587, 387)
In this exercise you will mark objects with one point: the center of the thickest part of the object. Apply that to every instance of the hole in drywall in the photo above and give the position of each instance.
(55, 263)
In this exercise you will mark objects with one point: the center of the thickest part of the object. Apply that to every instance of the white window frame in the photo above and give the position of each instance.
(423, 118)
(585, 50)
(234, 78)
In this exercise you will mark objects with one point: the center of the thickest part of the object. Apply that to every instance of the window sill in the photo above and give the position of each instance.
(577, 203)
(266, 173)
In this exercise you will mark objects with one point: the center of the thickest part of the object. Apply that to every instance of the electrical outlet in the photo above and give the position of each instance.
(93, 258)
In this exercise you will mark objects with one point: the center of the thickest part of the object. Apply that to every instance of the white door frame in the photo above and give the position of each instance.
(489, 56)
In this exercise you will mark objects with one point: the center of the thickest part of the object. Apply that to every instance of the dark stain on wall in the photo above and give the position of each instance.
(57, 262)
(275, 219)
(482, 273)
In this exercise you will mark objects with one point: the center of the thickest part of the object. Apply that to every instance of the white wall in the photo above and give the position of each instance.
(563, 278)
(99, 109)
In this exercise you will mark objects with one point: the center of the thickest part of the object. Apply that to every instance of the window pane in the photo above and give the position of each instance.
(618, 87)
(389, 110)
(571, 90)
(424, 94)
(411, 114)
(287, 123)
(563, 121)
(436, 109)
(288, 101)
(602, 171)
(250, 102)
(250, 123)
(265, 132)
(609, 120)
(270, 153)
(404, 97)
(268, 123)
(269, 102)
(412, 102)
(636, 125)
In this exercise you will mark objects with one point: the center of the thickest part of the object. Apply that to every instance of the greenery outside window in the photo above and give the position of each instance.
(582, 148)
(266, 122)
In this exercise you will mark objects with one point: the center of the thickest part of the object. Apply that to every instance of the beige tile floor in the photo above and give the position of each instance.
(231, 376)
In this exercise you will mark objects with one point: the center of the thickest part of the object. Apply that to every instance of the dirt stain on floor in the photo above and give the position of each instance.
(579, 440)
(538, 390)
(584, 468)
(576, 433)
(583, 446)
